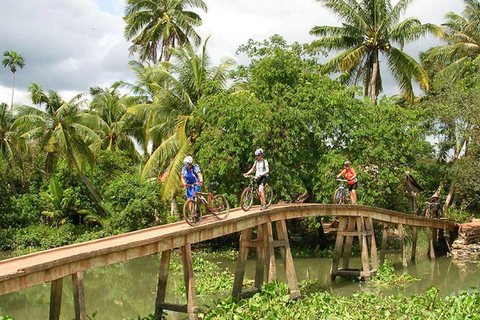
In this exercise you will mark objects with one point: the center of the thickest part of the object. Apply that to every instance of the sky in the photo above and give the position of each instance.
(72, 45)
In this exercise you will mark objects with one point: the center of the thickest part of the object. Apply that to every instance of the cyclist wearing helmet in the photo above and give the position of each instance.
(261, 174)
(191, 174)
(351, 176)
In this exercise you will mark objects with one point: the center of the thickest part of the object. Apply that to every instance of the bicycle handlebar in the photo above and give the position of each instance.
(342, 180)
(250, 176)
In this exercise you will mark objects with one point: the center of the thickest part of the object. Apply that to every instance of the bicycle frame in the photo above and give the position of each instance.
(208, 204)
(344, 193)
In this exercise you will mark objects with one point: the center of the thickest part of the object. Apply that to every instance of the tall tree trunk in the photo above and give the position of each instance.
(13, 91)
(373, 79)
(451, 191)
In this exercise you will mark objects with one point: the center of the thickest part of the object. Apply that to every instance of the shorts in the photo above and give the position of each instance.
(352, 186)
(190, 191)
(262, 181)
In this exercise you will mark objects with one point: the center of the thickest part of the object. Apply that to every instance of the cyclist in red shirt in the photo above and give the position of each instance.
(351, 176)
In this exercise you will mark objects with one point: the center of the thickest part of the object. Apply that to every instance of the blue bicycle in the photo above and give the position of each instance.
(342, 195)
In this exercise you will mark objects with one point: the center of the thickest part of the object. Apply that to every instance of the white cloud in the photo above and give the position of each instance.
(71, 45)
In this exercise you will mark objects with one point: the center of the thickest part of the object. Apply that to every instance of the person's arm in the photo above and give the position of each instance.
(249, 171)
(182, 179)
(340, 174)
(200, 178)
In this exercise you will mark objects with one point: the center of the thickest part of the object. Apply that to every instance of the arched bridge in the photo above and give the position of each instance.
(355, 222)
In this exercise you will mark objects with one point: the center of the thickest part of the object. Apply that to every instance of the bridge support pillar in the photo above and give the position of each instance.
(401, 251)
(191, 307)
(56, 298)
(265, 245)
(350, 227)
(79, 296)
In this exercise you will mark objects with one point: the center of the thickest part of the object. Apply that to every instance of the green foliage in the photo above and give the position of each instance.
(386, 276)
(136, 204)
(41, 237)
(273, 303)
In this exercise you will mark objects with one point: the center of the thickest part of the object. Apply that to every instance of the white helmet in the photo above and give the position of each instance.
(187, 161)
(347, 163)
(258, 152)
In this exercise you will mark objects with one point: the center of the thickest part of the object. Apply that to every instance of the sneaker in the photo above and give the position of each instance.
(263, 207)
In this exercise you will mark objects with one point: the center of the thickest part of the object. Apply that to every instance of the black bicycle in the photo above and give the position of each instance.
(251, 192)
(215, 204)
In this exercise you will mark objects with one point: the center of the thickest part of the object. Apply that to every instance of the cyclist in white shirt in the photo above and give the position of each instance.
(261, 174)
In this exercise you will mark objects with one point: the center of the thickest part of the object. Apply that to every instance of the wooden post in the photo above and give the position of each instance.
(162, 283)
(269, 252)
(431, 249)
(401, 235)
(288, 259)
(414, 243)
(383, 250)
(338, 247)
(56, 299)
(373, 244)
(362, 237)
(245, 237)
(189, 281)
(260, 263)
(79, 296)
(347, 250)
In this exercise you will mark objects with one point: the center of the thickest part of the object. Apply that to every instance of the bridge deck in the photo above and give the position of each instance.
(45, 266)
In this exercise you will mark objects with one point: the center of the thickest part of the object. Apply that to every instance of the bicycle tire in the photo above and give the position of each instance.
(192, 213)
(338, 197)
(220, 207)
(246, 199)
(268, 195)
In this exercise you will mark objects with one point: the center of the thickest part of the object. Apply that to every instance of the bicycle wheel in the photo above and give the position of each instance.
(338, 197)
(268, 195)
(192, 213)
(220, 207)
(246, 200)
(347, 197)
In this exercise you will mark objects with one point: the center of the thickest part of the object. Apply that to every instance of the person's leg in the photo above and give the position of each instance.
(353, 196)
(261, 190)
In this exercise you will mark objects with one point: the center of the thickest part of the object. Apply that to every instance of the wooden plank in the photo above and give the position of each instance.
(356, 233)
(173, 307)
(79, 296)
(245, 236)
(162, 282)
(56, 299)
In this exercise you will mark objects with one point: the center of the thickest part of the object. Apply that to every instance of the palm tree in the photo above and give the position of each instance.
(13, 60)
(371, 28)
(117, 127)
(63, 129)
(169, 122)
(462, 35)
(154, 25)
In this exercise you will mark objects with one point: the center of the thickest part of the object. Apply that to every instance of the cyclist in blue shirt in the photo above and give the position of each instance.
(191, 174)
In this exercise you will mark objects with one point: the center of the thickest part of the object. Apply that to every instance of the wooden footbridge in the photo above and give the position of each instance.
(355, 222)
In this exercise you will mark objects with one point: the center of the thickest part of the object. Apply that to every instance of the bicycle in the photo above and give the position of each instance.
(215, 204)
(251, 192)
(342, 194)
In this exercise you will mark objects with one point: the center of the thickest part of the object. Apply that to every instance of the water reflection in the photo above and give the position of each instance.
(127, 290)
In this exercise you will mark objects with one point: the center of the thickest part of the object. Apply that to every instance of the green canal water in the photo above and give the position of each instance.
(127, 290)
